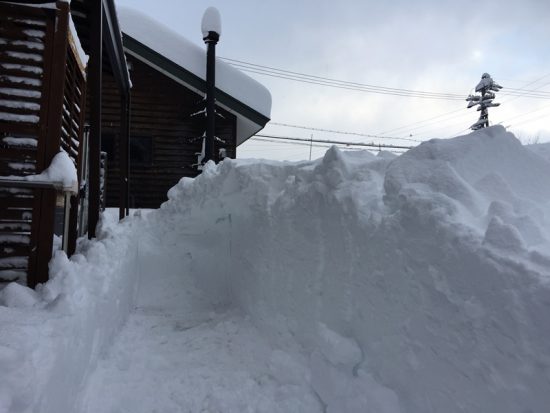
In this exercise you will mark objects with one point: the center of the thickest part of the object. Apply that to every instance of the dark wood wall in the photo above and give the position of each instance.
(41, 112)
(160, 123)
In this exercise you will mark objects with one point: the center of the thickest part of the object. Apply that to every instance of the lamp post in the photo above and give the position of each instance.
(211, 31)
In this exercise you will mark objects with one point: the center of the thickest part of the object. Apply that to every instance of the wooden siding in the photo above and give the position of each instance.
(40, 112)
(160, 109)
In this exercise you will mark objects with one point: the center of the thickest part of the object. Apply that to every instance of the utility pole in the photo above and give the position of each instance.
(310, 145)
(486, 87)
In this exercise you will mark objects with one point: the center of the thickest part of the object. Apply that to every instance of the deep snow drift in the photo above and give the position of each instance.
(369, 283)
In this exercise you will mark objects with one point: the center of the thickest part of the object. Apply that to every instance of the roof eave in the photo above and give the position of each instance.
(155, 59)
(114, 45)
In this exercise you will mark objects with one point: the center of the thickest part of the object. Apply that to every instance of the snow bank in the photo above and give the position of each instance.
(418, 284)
(50, 338)
(541, 149)
(412, 284)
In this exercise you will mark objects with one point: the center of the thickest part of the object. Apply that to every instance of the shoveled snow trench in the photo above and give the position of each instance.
(180, 353)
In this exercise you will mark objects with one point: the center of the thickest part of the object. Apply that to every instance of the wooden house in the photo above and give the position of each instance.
(44, 83)
(54, 100)
(167, 102)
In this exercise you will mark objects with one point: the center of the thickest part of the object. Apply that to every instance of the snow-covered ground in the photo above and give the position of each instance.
(354, 283)
(177, 353)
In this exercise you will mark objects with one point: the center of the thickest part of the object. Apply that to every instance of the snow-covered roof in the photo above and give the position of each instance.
(192, 58)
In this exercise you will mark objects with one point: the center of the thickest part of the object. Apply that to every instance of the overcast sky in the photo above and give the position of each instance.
(435, 46)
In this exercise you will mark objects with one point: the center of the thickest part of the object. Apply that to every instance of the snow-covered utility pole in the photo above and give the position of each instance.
(486, 88)
(211, 31)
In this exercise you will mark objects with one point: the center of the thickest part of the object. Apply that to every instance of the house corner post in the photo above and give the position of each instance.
(95, 77)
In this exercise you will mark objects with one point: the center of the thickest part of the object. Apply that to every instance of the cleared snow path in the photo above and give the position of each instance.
(179, 353)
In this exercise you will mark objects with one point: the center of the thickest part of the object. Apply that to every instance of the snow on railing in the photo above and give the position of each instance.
(60, 175)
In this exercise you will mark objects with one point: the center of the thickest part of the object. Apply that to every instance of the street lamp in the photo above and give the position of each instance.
(211, 30)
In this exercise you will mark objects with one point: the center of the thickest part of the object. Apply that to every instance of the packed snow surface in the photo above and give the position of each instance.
(354, 283)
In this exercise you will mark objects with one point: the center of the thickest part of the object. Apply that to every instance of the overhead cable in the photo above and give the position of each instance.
(366, 135)
(333, 142)
(341, 84)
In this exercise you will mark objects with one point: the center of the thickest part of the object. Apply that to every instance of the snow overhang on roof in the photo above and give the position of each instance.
(185, 62)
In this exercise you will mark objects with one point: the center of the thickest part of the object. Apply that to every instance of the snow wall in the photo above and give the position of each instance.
(415, 284)
(541, 149)
(52, 337)
(412, 284)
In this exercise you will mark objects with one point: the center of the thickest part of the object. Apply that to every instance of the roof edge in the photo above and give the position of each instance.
(115, 47)
(191, 79)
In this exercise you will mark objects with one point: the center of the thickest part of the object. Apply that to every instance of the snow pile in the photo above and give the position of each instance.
(418, 284)
(541, 149)
(413, 284)
(50, 338)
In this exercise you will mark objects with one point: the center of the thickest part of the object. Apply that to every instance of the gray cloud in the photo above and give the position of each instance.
(441, 46)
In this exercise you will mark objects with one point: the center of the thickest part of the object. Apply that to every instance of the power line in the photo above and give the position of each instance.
(333, 142)
(529, 120)
(346, 87)
(424, 123)
(384, 88)
(336, 80)
(324, 81)
(514, 93)
(528, 112)
(454, 135)
(365, 135)
(341, 84)
(465, 113)
(532, 92)
(276, 140)
(445, 131)
(428, 125)
(421, 121)
(524, 114)
(529, 84)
